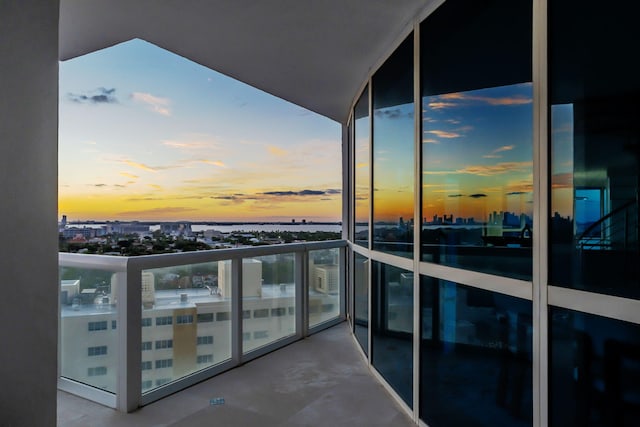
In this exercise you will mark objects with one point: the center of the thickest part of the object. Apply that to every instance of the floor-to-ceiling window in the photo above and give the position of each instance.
(595, 152)
(362, 151)
(475, 356)
(477, 160)
(361, 300)
(594, 375)
(392, 327)
(393, 130)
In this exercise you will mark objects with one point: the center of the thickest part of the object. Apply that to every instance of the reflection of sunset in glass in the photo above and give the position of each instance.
(362, 169)
(477, 151)
(562, 160)
(147, 135)
(393, 163)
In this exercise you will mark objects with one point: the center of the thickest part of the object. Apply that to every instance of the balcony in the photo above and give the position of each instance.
(135, 330)
(322, 380)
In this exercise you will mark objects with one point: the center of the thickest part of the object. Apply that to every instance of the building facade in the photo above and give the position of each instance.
(508, 127)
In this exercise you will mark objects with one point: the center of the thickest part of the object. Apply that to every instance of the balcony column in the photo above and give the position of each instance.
(28, 211)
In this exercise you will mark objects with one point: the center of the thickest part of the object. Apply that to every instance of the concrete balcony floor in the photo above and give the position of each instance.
(319, 381)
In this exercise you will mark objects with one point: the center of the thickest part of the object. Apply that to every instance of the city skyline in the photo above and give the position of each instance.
(148, 135)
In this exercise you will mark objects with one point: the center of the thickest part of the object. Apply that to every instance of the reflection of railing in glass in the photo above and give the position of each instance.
(618, 230)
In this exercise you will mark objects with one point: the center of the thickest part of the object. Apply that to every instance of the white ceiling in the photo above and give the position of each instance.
(314, 53)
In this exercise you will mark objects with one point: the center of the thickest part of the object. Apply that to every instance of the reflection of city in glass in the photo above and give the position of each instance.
(477, 169)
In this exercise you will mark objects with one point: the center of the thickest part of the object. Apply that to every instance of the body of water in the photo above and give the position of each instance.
(228, 228)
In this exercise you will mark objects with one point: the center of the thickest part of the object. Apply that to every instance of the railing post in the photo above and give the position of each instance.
(302, 293)
(343, 281)
(236, 310)
(129, 387)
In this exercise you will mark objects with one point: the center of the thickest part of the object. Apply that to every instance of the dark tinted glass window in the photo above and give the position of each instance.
(362, 149)
(392, 327)
(361, 300)
(595, 145)
(393, 153)
(475, 357)
(594, 375)
(477, 136)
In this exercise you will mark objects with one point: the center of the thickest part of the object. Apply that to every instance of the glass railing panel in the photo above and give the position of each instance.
(268, 299)
(324, 285)
(88, 336)
(186, 321)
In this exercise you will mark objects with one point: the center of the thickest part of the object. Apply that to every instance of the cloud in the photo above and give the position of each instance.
(457, 99)
(303, 193)
(214, 163)
(311, 193)
(441, 105)
(506, 100)
(276, 151)
(99, 185)
(155, 186)
(456, 195)
(225, 197)
(129, 175)
(155, 103)
(160, 212)
(516, 193)
(494, 154)
(477, 196)
(562, 180)
(139, 165)
(100, 95)
(487, 170)
(392, 113)
(443, 134)
(430, 141)
(500, 168)
(187, 145)
(504, 148)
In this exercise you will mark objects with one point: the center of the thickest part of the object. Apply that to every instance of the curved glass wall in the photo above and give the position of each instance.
(393, 130)
(362, 170)
(559, 347)
(477, 170)
(595, 146)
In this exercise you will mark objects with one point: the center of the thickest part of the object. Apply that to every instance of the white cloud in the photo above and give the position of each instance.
(155, 103)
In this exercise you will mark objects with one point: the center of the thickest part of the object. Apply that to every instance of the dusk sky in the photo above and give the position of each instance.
(145, 134)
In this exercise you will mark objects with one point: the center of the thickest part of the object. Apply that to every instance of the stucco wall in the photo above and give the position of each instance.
(28, 210)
